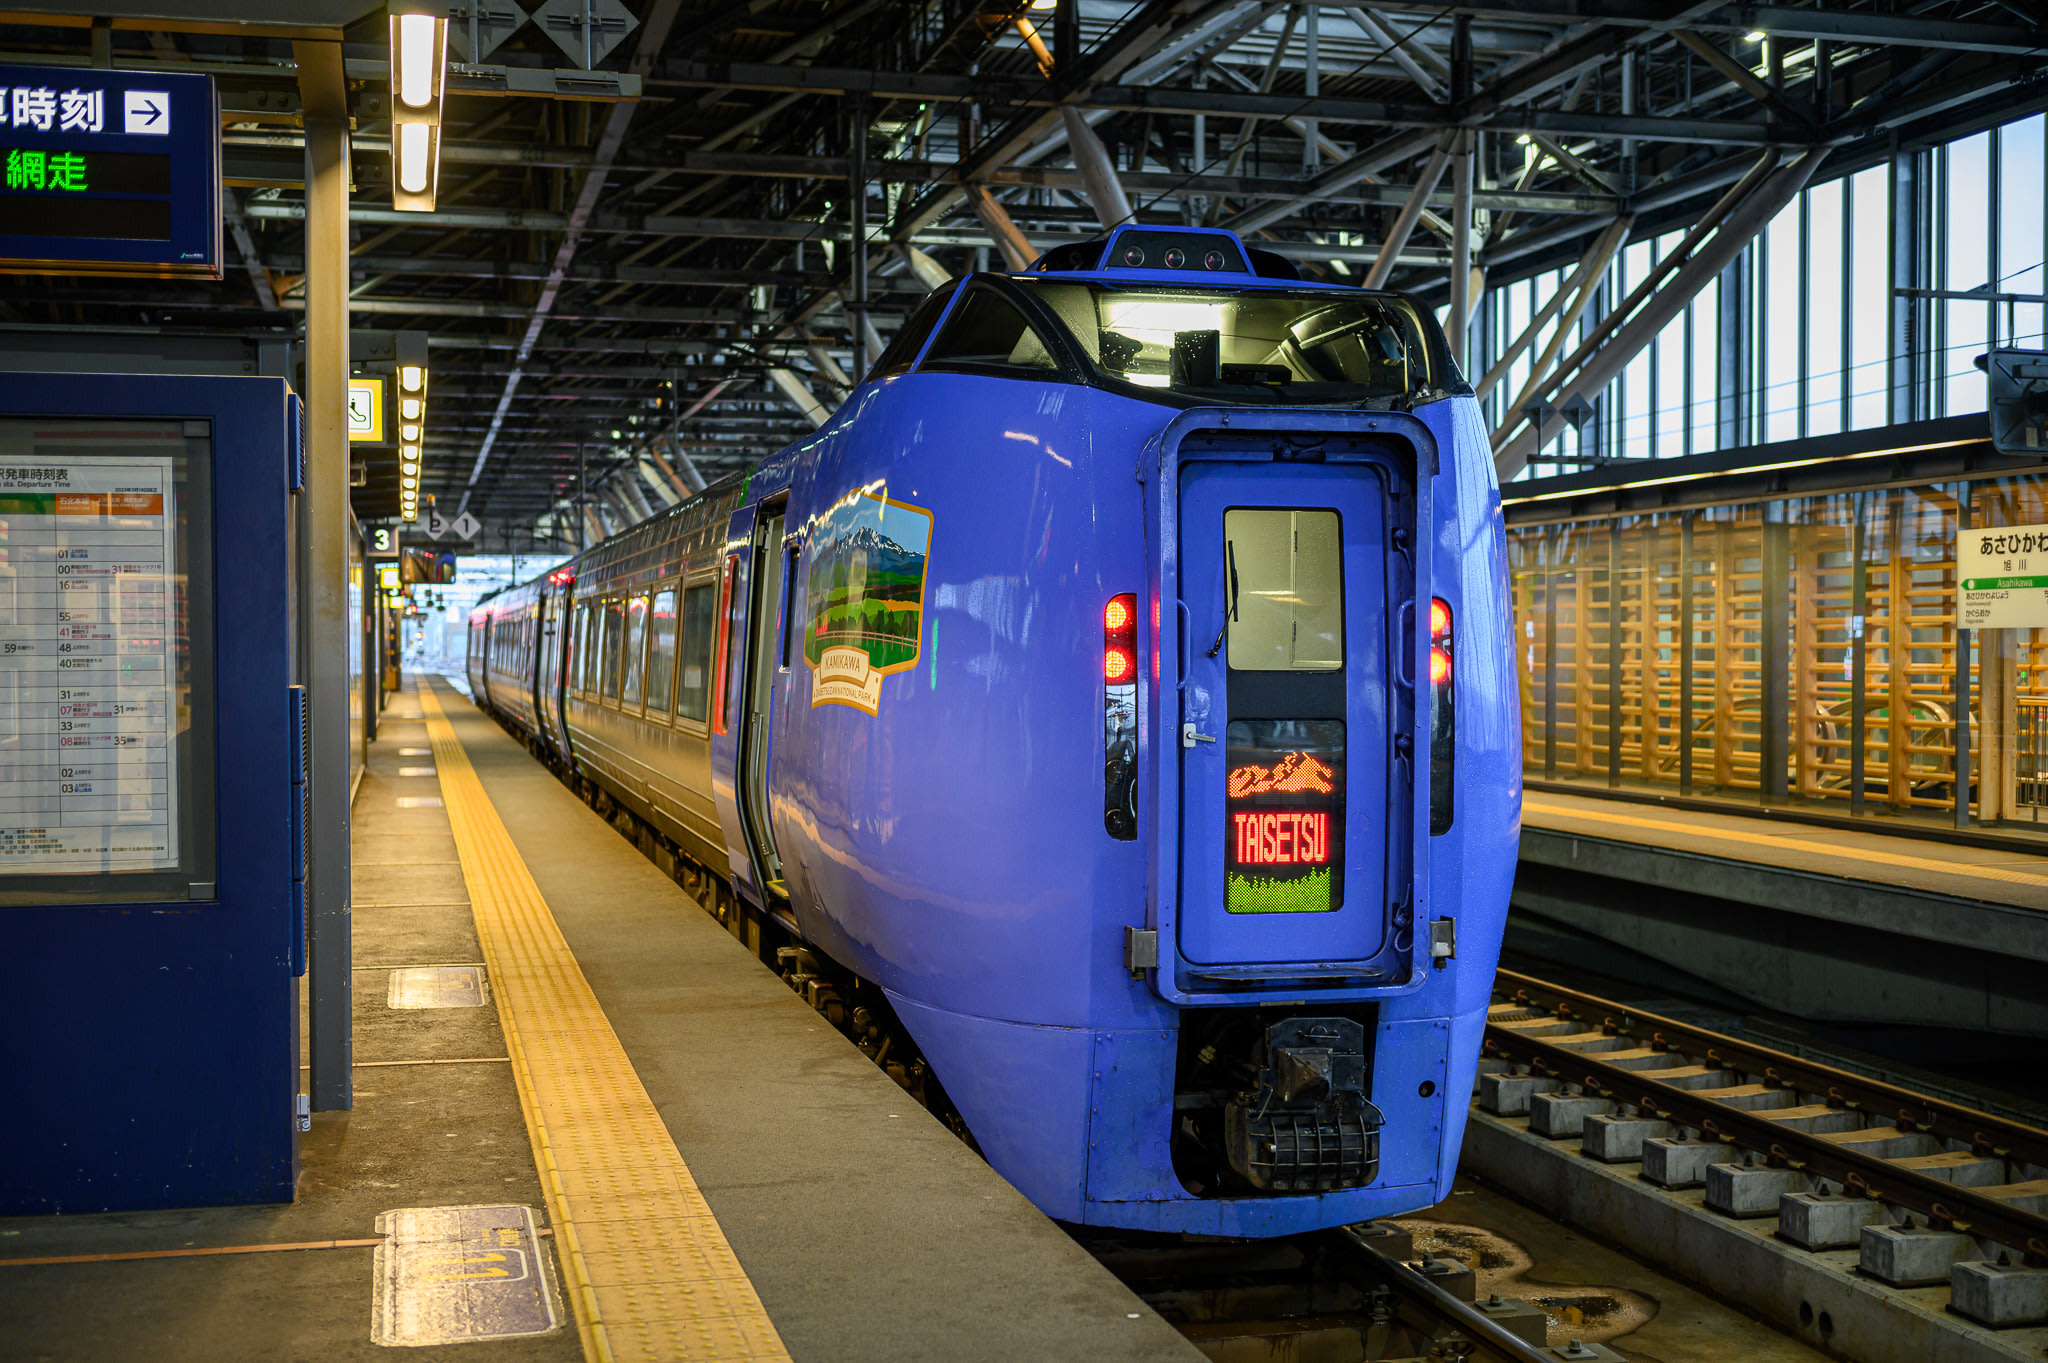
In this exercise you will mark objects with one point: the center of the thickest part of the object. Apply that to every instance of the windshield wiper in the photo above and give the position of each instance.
(1230, 557)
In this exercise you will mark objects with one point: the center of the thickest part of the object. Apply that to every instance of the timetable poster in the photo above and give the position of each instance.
(87, 637)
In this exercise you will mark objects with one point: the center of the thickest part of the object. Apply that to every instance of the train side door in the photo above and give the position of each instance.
(547, 670)
(1285, 737)
(766, 643)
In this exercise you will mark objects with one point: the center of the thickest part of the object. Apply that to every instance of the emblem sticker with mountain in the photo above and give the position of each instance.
(866, 597)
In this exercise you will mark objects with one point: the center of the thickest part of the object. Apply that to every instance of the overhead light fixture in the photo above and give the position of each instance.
(1043, 5)
(1523, 140)
(410, 408)
(419, 66)
(411, 483)
(1755, 35)
(409, 434)
(412, 377)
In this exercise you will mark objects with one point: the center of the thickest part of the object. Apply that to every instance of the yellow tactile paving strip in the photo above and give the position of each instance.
(650, 1273)
(1836, 858)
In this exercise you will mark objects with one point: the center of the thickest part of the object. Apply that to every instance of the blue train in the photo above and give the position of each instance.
(1119, 687)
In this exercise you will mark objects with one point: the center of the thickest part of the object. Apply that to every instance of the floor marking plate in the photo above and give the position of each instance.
(415, 752)
(418, 801)
(436, 986)
(416, 771)
(451, 1275)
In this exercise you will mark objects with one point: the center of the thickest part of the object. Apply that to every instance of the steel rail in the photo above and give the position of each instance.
(1945, 1205)
(1938, 1117)
(1358, 1257)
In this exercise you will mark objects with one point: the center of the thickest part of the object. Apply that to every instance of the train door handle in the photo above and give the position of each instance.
(1404, 654)
(1188, 736)
(1185, 621)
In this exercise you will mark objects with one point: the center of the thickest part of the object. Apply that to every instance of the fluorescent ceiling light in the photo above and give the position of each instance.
(416, 57)
(414, 140)
(412, 378)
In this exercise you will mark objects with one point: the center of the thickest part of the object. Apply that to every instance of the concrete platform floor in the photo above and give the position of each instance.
(868, 1229)
(421, 1135)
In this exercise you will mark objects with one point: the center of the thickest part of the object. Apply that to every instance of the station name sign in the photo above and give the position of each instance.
(2004, 577)
(109, 172)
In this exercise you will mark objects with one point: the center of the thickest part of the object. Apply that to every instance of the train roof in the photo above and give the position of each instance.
(1170, 255)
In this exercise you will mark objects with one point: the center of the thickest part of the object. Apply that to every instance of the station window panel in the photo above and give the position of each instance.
(661, 650)
(1781, 301)
(1824, 300)
(1869, 265)
(693, 691)
(1671, 372)
(1965, 239)
(636, 650)
(1706, 368)
(107, 704)
(610, 649)
(2022, 233)
(1636, 407)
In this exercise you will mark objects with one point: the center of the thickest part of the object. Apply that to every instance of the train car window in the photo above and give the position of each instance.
(661, 651)
(636, 649)
(902, 351)
(988, 334)
(694, 673)
(1286, 589)
(577, 633)
(608, 661)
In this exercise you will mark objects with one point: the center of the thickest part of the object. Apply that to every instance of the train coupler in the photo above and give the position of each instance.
(1307, 1125)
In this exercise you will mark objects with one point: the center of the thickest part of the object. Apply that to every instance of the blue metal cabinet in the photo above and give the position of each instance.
(151, 911)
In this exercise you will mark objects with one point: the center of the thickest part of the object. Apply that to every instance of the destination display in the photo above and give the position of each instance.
(1284, 802)
(87, 665)
(2004, 577)
(109, 172)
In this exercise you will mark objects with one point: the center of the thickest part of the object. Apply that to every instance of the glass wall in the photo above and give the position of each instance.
(1807, 312)
(1799, 651)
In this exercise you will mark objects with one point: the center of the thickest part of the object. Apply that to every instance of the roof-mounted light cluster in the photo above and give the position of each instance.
(412, 419)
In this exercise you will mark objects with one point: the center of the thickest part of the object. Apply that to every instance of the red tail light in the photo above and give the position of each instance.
(1120, 716)
(1443, 747)
(1120, 640)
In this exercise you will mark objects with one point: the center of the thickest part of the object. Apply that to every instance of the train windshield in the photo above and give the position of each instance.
(1259, 345)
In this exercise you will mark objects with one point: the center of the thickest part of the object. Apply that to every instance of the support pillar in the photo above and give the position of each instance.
(856, 299)
(1909, 315)
(1461, 249)
(324, 621)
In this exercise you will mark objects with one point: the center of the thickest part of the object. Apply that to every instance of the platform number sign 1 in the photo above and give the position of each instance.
(2004, 575)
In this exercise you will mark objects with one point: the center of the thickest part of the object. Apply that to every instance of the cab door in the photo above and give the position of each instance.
(1286, 737)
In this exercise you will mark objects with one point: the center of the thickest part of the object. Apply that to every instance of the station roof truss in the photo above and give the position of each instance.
(613, 285)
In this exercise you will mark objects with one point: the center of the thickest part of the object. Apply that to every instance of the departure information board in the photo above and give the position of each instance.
(109, 172)
(88, 661)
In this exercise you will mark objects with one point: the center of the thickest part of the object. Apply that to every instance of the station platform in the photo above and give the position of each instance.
(588, 1123)
(1850, 924)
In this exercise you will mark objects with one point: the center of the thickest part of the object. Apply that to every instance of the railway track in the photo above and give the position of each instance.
(1905, 1226)
(1356, 1292)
